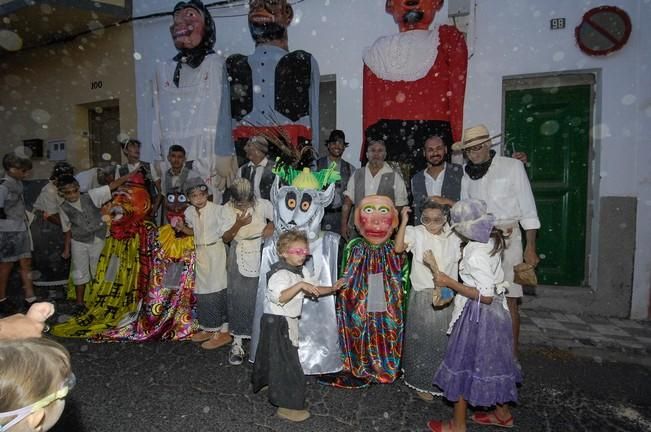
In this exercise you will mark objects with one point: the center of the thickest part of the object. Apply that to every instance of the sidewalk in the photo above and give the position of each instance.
(591, 335)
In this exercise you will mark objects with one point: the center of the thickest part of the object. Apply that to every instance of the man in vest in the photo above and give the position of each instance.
(440, 179)
(259, 168)
(503, 184)
(175, 176)
(336, 144)
(376, 178)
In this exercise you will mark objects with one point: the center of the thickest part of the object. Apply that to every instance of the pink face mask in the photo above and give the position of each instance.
(298, 251)
(375, 218)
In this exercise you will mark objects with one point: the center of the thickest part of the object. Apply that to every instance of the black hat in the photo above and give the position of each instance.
(337, 135)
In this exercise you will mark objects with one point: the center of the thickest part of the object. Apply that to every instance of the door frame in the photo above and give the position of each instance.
(561, 79)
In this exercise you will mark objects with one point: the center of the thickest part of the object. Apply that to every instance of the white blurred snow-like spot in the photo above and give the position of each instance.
(550, 127)
(628, 99)
(601, 130)
(137, 56)
(40, 116)
(106, 157)
(10, 41)
(558, 56)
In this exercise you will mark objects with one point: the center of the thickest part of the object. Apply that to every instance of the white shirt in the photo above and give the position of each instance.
(87, 179)
(175, 179)
(257, 176)
(507, 192)
(278, 282)
(480, 270)
(434, 185)
(49, 200)
(444, 246)
(99, 196)
(372, 183)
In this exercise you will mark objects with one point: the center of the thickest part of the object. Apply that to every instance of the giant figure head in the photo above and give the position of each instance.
(130, 205)
(269, 19)
(301, 205)
(375, 218)
(413, 14)
(193, 27)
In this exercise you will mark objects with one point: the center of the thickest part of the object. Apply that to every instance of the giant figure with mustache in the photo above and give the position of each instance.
(414, 82)
(271, 89)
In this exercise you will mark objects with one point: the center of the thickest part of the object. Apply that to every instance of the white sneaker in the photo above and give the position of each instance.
(236, 355)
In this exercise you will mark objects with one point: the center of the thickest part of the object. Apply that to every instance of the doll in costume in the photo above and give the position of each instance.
(414, 82)
(123, 269)
(300, 205)
(370, 306)
(286, 85)
(167, 311)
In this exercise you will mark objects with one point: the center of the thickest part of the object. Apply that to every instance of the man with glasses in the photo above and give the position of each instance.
(335, 145)
(440, 179)
(503, 184)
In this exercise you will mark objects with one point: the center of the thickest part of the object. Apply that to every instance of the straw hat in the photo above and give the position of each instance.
(474, 136)
(471, 219)
(260, 143)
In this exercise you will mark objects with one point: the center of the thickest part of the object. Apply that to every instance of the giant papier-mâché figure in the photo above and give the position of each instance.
(122, 276)
(167, 309)
(188, 93)
(414, 83)
(301, 205)
(370, 307)
(270, 87)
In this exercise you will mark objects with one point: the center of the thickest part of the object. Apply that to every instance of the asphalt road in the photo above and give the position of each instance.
(180, 387)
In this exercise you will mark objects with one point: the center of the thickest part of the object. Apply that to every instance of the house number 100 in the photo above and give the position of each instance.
(94, 85)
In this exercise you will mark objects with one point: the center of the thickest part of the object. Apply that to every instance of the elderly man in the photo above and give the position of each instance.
(439, 179)
(376, 178)
(335, 145)
(259, 168)
(503, 184)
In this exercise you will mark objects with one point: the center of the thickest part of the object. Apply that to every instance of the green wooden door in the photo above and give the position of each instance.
(552, 125)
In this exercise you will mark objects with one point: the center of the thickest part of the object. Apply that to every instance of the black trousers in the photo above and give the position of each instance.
(277, 365)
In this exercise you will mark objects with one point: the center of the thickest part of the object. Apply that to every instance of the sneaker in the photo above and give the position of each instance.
(217, 341)
(201, 336)
(236, 355)
(293, 415)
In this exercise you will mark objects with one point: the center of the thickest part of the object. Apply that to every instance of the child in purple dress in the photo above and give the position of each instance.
(478, 368)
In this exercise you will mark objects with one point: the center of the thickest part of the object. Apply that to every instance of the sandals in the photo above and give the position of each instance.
(490, 419)
(438, 425)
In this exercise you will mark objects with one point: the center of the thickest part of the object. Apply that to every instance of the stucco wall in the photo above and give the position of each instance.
(43, 90)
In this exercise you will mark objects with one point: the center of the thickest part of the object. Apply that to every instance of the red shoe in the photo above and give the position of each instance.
(490, 419)
(438, 425)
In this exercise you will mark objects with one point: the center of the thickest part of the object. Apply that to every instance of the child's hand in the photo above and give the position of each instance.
(430, 261)
(40, 311)
(243, 219)
(65, 254)
(341, 282)
(442, 279)
(178, 225)
(311, 290)
(404, 214)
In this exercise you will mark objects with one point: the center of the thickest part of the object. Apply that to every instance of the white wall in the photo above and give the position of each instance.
(512, 37)
(507, 37)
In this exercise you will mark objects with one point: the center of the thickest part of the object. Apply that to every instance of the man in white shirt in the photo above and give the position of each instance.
(503, 184)
(376, 178)
(259, 168)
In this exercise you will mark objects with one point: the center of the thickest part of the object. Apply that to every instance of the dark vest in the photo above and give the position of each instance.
(266, 181)
(292, 85)
(450, 189)
(386, 185)
(346, 171)
(87, 223)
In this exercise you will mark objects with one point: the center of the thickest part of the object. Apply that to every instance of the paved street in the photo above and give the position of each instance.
(180, 387)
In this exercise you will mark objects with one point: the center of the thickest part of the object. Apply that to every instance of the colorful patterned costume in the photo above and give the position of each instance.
(123, 269)
(371, 341)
